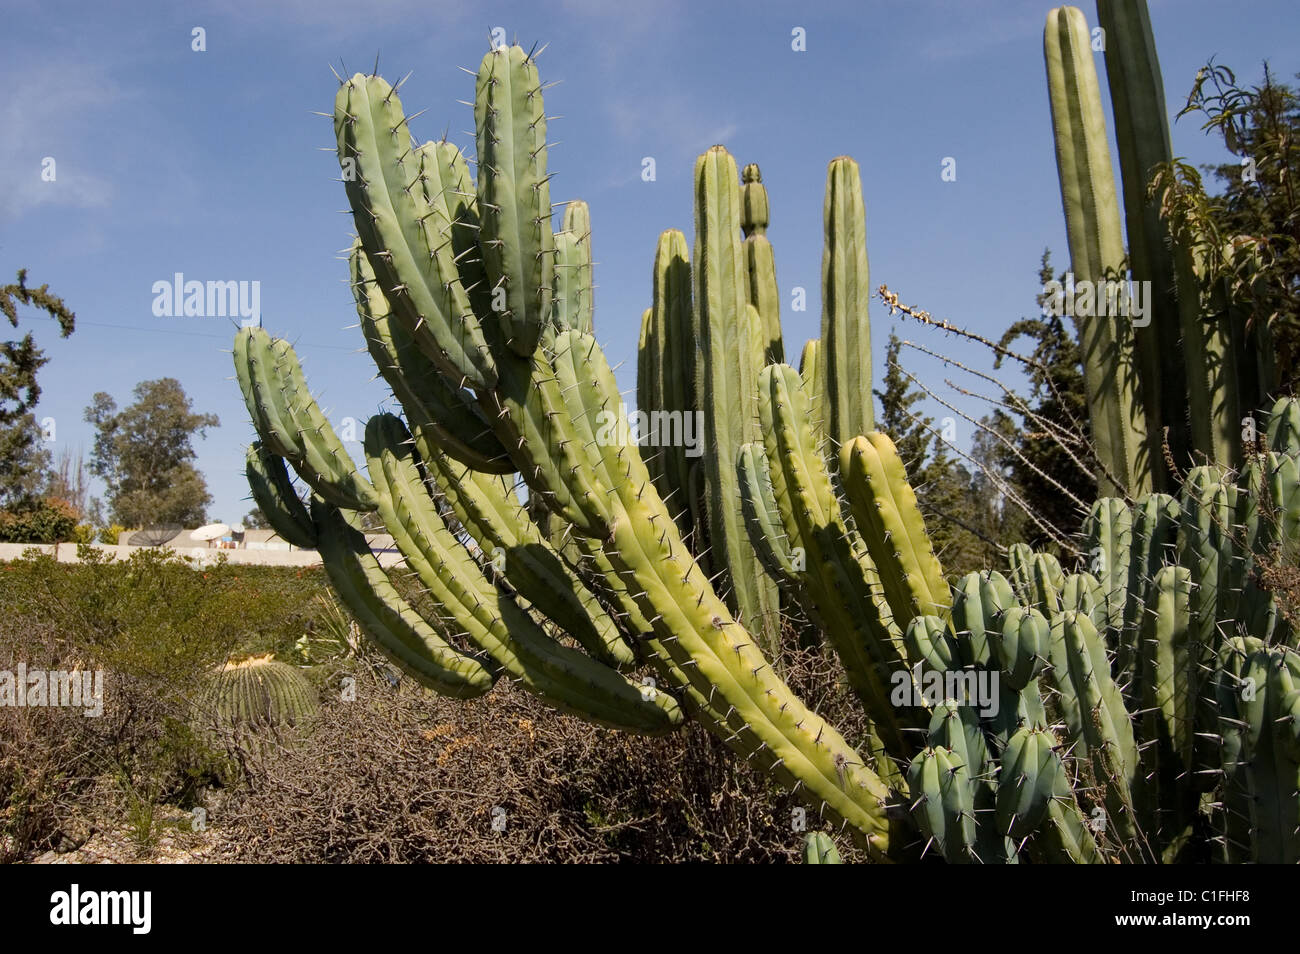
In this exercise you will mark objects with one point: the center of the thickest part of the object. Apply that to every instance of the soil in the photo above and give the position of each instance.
(172, 843)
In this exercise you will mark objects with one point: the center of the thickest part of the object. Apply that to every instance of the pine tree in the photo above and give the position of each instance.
(1054, 466)
(944, 488)
(24, 463)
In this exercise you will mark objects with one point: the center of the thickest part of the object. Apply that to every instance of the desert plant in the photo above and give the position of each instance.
(48, 520)
(995, 727)
(1183, 376)
(260, 690)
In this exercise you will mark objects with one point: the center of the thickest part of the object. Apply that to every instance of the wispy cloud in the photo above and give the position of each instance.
(45, 115)
(335, 15)
(671, 127)
(966, 30)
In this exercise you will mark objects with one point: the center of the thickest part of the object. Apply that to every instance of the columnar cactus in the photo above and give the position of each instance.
(1000, 728)
(732, 346)
(574, 301)
(672, 369)
(1115, 408)
(760, 263)
(666, 380)
(845, 351)
(1184, 376)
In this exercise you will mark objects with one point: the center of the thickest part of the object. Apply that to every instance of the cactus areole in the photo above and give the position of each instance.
(637, 592)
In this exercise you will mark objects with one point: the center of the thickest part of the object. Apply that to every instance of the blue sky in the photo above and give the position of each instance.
(208, 163)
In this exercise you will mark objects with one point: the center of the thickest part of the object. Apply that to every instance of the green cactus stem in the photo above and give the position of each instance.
(1115, 407)
(845, 351)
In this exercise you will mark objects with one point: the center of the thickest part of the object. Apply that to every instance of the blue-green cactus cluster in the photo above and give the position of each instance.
(1139, 707)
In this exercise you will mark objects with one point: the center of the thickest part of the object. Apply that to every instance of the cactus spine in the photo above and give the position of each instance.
(260, 691)
(845, 351)
(982, 778)
(1096, 254)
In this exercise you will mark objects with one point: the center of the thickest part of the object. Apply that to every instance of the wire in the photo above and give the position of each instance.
(180, 331)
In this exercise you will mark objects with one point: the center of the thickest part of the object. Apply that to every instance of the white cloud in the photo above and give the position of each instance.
(964, 29)
(340, 17)
(670, 127)
(46, 114)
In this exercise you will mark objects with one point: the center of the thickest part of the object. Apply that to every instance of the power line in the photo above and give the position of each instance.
(193, 334)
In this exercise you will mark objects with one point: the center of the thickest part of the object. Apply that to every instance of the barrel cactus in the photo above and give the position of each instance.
(1036, 715)
(260, 691)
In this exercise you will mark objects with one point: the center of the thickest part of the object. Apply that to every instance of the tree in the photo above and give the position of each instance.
(947, 493)
(67, 480)
(144, 453)
(1257, 216)
(23, 461)
(995, 509)
(1031, 467)
(1053, 466)
(911, 433)
(256, 520)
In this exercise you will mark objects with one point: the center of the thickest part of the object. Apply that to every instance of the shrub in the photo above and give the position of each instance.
(157, 625)
(63, 775)
(48, 520)
(160, 613)
(402, 775)
(111, 533)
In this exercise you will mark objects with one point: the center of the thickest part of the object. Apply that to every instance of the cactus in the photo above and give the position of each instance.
(666, 366)
(671, 370)
(944, 793)
(1181, 373)
(1097, 723)
(760, 263)
(843, 584)
(260, 691)
(1152, 536)
(810, 370)
(732, 348)
(514, 197)
(573, 298)
(1108, 532)
(1111, 379)
(845, 351)
(1160, 692)
(275, 496)
(884, 510)
(402, 634)
(818, 849)
(1256, 701)
(609, 612)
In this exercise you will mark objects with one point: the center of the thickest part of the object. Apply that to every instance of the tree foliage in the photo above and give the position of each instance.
(1247, 238)
(23, 461)
(145, 454)
(1052, 464)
